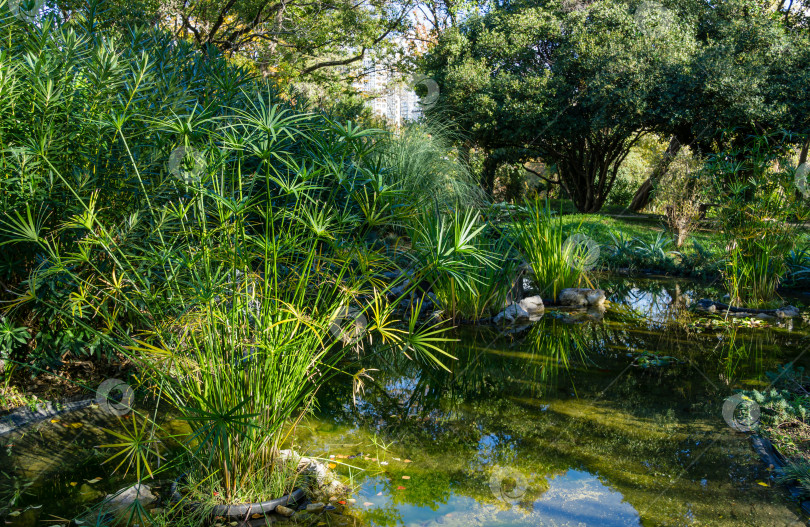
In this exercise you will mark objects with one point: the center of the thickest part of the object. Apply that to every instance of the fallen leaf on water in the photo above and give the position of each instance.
(397, 459)
(383, 462)
(73, 483)
(257, 516)
(73, 425)
(407, 461)
(374, 459)
(55, 420)
(400, 488)
(94, 480)
(15, 513)
(332, 465)
(406, 477)
(379, 494)
(762, 483)
(342, 502)
(367, 504)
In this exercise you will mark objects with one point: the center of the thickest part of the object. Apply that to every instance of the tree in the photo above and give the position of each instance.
(282, 38)
(575, 86)
(749, 74)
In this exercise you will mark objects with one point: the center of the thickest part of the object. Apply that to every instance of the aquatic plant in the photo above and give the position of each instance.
(468, 269)
(540, 239)
(420, 161)
(757, 213)
(204, 230)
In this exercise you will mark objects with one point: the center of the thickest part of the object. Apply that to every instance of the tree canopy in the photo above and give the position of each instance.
(577, 84)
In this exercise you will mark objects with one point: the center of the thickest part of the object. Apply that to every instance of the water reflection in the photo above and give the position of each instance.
(563, 404)
(557, 424)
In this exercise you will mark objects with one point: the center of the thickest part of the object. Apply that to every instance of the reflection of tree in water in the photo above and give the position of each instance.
(487, 364)
(510, 403)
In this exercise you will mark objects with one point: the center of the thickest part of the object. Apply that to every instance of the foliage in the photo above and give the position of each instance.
(468, 269)
(680, 193)
(639, 253)
(784, 409)
(281, 40)
(180, 215)
(554, 264)
(571, 86)
(757, 206)
(420, 163)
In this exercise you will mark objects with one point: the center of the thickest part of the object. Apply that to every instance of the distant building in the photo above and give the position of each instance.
(388, 96)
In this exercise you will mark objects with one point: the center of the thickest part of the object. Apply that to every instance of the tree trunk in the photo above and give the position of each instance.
(488, 173)
(644, 192)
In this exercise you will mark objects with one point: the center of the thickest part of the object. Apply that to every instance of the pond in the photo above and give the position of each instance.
(575, 420)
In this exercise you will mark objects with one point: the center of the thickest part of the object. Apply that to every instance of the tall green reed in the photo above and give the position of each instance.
(554, 264)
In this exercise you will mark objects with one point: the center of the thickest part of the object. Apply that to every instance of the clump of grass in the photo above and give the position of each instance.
(541, 238)
(421, 162)
(468, 269)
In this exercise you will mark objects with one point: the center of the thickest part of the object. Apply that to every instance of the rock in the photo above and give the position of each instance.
(511, 314)
(399, 290)
(787, 312)
(302, 517)
(315, 508)
(126, 497)
(533, 305)
(578, 297)
(284, 511)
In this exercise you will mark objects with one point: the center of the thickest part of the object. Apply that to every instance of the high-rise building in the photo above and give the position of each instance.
(388, 95)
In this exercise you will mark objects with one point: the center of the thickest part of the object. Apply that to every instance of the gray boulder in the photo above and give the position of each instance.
(787, 312)
(512, 314)
(580, 297)
(123, 499)
(533, 305)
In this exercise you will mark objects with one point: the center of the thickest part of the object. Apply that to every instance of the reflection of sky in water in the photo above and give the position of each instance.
(573, 499)
(656, 306)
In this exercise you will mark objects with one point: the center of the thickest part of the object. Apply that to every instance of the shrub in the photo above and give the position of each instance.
(680, 194)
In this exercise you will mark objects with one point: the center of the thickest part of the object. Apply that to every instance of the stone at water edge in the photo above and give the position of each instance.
(787, 312)
(579, 297)
(315, 508)
(511, 314)
(126, 497)
(284, 511)
(533, 305)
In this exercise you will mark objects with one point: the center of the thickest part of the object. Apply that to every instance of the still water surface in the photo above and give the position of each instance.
(577, 420)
